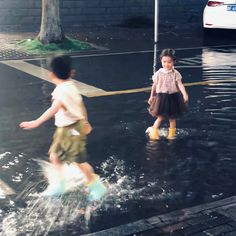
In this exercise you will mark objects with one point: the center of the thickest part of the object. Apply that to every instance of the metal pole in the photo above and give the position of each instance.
(156, 21)
(155, 35)
(155, 59)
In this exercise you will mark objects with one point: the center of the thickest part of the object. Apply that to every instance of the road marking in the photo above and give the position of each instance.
(188, 62)
(127, 91)
(88, 90)
(42, 73)
(191, 60)
(5, 189)
(147, 89)
(134, 52)
(209, 82)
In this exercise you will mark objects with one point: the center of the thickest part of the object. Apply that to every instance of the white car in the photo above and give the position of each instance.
(220, 15)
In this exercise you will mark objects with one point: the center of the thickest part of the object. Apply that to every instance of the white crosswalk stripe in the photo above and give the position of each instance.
(39, 72)
(191, 60)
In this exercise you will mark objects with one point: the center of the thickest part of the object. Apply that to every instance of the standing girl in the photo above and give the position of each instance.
(165, 99)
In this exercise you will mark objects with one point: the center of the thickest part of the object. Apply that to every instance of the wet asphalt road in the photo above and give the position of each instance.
(198, 167)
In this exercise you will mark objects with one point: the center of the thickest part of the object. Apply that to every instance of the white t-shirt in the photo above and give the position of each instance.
(68, 94)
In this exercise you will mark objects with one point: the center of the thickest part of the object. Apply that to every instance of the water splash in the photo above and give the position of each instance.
(33, 214)
(71, 175)
(125, 187)
(12, 160)
(4, 155)
(42, 215)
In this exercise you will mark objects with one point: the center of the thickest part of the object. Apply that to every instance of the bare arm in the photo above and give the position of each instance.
(182, 90)
(87, 128)
(152, 94)
(48, 114)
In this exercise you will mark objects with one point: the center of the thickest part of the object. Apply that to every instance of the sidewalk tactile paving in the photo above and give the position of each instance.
(10, 52)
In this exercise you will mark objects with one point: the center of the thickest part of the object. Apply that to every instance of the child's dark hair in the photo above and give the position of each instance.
(61, 66)
(168, 52)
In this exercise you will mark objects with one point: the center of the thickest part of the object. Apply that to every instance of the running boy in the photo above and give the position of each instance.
(72, 124)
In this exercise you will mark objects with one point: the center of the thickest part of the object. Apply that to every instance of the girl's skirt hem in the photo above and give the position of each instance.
(168, 105)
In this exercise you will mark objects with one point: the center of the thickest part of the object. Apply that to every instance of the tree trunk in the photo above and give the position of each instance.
(50, 29)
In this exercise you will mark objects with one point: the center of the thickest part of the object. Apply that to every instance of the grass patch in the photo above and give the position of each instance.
(34, 46)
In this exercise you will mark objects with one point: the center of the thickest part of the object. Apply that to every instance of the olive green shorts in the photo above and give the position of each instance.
(69, 143)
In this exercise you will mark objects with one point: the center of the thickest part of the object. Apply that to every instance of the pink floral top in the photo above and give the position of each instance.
(166, 80)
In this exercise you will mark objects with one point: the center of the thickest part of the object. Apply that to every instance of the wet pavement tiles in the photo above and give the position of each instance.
(204, 220)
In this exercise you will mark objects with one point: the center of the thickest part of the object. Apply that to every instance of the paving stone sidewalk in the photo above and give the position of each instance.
(212, 219)
(105, 38)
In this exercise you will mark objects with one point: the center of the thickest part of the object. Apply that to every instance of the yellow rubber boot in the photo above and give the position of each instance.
(153, 134)
(172, 133)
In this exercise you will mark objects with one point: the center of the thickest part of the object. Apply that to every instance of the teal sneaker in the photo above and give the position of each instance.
(96, 189)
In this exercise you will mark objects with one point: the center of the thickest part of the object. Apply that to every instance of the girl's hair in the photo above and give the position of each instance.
(168, 52)
(60, 65)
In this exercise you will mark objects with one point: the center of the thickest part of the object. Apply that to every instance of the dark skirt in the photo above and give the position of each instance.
(168, 105)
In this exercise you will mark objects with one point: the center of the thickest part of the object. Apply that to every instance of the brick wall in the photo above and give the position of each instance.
(26, 14)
